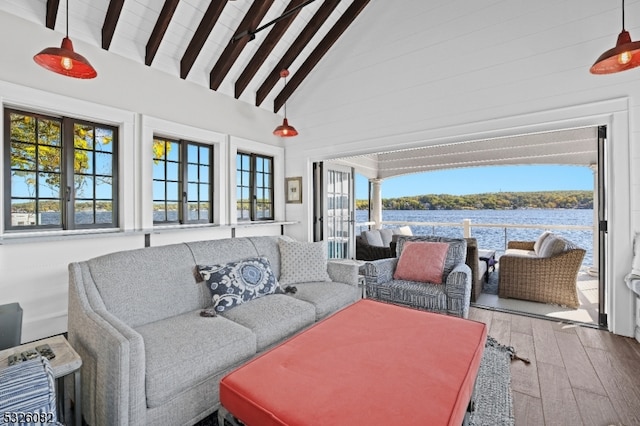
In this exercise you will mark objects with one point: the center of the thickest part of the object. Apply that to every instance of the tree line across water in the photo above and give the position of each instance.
(489, 201)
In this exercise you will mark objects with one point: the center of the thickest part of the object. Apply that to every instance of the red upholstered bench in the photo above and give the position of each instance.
(371, 363)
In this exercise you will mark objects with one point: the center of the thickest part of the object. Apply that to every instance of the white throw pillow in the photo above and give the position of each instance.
(302, 262)
(403, 230)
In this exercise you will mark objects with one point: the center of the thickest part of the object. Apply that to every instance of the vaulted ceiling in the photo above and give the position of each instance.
(237, 47)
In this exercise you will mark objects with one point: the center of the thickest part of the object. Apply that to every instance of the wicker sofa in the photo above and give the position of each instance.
(545, 270)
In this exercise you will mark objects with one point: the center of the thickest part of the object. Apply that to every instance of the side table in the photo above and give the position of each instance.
(66, 361)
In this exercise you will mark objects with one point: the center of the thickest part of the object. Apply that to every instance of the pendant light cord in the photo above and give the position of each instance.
(622, 14)
(68, 17)
(285, 102)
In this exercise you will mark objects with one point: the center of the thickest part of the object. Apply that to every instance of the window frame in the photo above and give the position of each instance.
(253, 186)
(183, 181)
(67, 191)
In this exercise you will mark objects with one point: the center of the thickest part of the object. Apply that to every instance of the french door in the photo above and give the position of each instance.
(334, 206)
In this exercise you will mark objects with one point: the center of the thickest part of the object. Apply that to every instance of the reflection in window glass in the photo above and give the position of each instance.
(182, 181)
(43, 192)
(254, 183)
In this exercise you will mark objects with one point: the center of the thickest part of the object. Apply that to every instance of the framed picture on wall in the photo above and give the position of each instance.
(293, 188)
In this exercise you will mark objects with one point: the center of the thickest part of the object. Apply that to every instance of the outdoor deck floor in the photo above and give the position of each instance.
(577, 376)
(587, 294)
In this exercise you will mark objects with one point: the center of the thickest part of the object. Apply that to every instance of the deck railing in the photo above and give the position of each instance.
(468, 226)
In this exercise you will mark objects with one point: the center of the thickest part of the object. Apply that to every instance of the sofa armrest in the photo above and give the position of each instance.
(380, 271)
(521, 245)
(458, 290)
(113, 357)
(343, 271)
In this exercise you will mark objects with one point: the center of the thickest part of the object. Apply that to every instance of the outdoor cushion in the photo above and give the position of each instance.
(202, 346)
(521, 253)
(422, 262)
(553, 245)
(537, 245)
(386, 235)
(373, 238)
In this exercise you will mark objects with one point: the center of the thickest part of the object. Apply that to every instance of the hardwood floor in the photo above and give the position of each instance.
(577, 375)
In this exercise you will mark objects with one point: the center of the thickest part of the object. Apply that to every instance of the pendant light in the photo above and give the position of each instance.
(63, 60)
(285, 130)
(624, 56)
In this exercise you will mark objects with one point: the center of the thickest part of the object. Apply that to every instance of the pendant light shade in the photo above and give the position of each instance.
(63, 60)
(285, 130)
(624, 56)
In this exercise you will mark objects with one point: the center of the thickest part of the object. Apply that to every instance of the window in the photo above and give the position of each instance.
(182, 181)
(62, 173)
(254, 187)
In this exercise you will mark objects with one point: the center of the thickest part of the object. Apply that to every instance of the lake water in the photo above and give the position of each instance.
(495, 238)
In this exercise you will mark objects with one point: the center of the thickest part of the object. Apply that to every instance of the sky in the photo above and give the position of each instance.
(478, 180)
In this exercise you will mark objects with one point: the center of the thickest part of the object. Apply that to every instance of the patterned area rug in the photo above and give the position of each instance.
(492, 400)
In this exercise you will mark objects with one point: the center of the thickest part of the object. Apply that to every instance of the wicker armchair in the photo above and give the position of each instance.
(540, 279)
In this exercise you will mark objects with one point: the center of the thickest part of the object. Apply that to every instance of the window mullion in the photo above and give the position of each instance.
(67, 188)
(182, 184)
(252, 188)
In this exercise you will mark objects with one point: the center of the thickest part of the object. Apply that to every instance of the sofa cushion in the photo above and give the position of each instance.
(185, 350)
(538, 244)
(237, 282)
(373, 237)
(327, 297)
(422, 262)
(302, 262)
(273, 318)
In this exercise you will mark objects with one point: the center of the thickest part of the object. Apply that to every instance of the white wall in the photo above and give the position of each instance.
(141, 102)
(424, 73)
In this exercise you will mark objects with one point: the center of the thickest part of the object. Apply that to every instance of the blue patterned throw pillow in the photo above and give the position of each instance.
(238, 282)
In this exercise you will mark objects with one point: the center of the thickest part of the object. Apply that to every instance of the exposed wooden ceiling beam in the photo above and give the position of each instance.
(160, 29)
(249, 23)
(110, 22)
(52, 13)
(321, 49)
(298, 45)
(200, 37)
(265, 48)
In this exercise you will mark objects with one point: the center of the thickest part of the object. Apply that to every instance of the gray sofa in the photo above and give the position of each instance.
(149, 357)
